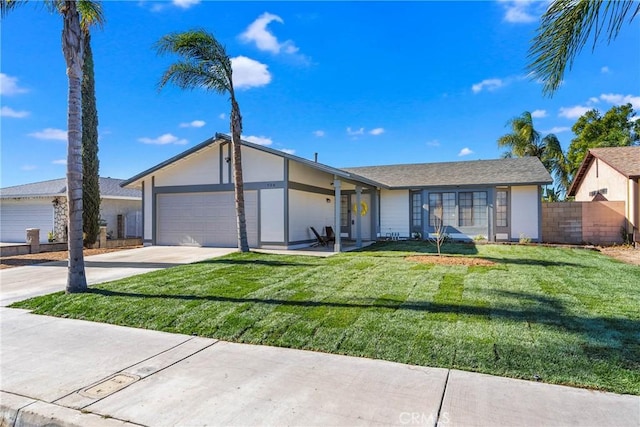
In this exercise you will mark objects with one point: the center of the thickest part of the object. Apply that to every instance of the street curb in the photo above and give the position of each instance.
(19, 411)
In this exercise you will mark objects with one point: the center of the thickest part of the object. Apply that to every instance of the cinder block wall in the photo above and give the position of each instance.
(562, 222)
(582, 222)
(602, 222)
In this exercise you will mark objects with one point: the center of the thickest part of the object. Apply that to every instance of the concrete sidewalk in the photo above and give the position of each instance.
(77, 373)
(20, 283)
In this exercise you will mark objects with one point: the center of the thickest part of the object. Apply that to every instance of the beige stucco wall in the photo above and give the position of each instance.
(394, 212)
(309, 210)
(600, 175)
(258, 166)
(525, 212)
(200, 168)
(272, 215)
(309, 176)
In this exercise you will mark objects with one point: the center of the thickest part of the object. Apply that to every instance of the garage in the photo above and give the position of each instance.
(19, 214)
(204, 219)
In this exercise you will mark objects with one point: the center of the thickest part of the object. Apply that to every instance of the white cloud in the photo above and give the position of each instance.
(193, 124)
(465, 152)
(249, 73)
(352, 132)
(257, 32)
(288, 150)
(185, 4)
(573, 112)
(9, 85)
(593, 100)
(50, 133)
(29, 168)
(10, 112)
(433, 143)
(376, 131)
(519, 11)
(538, 114)
(164, 139)
(618, 99)
(260, 140)
(557, 129)
(488, 84)
(319, 133)
(222, 116)
(59, 162)
(605, 70)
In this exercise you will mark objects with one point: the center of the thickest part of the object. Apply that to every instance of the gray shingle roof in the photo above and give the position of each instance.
(625, 160)
(109, 188)
(517, 171)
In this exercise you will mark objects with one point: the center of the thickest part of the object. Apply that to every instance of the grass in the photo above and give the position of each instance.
(567, 316)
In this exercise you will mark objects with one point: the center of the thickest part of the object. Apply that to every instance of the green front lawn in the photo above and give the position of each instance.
(567, 316)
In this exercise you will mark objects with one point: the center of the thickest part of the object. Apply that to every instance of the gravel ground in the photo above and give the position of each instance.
(31, 259)
(624, 253)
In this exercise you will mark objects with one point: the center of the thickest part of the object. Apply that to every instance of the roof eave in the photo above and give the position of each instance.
(223, 137)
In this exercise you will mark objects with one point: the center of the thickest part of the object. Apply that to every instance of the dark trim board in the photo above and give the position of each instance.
(310, 188)
(217, 188)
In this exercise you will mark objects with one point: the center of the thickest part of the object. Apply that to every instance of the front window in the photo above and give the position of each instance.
(472, 208)
(442, 209)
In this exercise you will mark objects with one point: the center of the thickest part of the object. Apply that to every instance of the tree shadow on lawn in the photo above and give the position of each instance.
(547, 311)
(466, 248)
(420, 246)
(270, 263)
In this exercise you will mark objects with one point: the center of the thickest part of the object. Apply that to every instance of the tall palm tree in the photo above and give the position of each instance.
(524, 141)
(204, 63)
(566, 27)
(72, 49)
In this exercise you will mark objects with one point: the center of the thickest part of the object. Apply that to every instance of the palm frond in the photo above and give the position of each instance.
(566, 27)
(203, 60)
(188, 75)
(91, 14)
(6, 6)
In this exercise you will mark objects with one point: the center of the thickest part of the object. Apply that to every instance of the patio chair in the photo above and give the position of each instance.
(331, 236)
(320, 240)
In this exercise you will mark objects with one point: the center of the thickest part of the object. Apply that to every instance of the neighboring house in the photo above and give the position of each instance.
(43, 205)
(189, 199)
(611, 174)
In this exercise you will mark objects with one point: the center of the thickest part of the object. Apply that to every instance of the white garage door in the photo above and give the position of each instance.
(18, 215)
(204, 219)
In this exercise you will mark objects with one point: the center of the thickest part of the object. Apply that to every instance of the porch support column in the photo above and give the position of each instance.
(358, 215)
(336, 187)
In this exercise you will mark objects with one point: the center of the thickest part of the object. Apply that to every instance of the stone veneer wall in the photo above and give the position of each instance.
(59, 219)
(583, 222)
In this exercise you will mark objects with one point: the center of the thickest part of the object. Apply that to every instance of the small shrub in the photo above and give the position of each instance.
(626, 237)
(524, 239)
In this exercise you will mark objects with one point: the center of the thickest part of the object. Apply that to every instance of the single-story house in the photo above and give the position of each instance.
(43, 205)
(611, 174)
(189, 199)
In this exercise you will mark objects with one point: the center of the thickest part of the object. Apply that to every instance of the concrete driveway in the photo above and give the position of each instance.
(20, 283)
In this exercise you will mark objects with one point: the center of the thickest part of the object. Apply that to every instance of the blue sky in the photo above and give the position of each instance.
(360, 83)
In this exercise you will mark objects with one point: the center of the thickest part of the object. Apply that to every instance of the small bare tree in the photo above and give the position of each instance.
(439, 236)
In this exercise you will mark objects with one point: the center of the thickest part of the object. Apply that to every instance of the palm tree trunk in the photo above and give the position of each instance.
(72, 49)
(236, 132)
